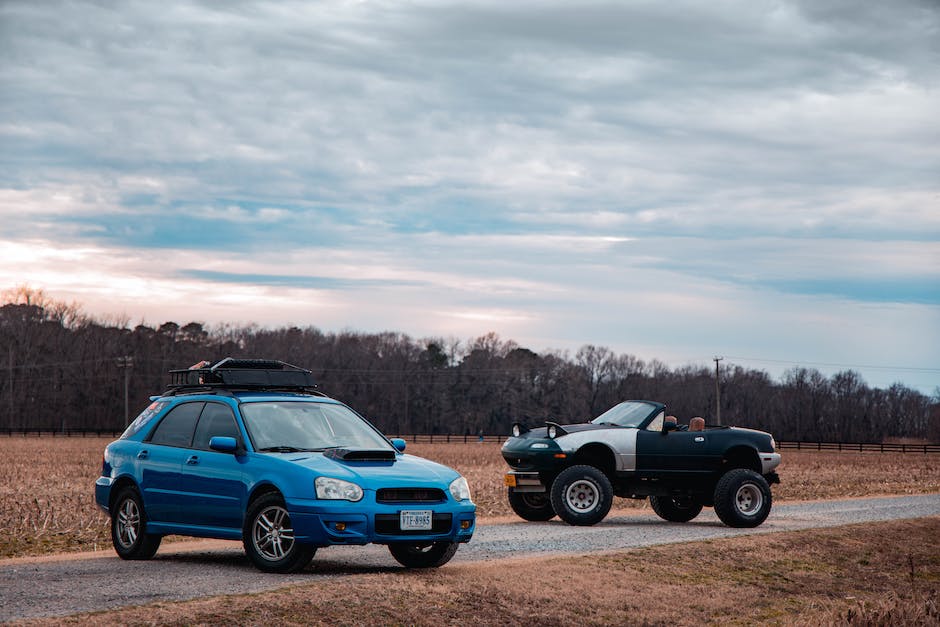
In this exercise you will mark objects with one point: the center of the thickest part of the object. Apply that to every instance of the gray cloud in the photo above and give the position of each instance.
(453, 141)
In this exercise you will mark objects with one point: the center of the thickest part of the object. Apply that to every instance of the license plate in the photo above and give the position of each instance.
(415, 520)
(509, 480)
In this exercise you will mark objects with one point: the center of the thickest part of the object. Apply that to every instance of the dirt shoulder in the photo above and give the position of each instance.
(882, 573)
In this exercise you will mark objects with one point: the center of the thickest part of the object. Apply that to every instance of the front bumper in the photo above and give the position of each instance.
(521, 481)
(326, 523)
(769, 461)
(522, 456)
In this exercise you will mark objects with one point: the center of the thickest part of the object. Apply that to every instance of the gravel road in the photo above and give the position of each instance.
(66, 584)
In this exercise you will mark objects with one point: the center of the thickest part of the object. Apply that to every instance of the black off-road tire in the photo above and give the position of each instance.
(533, 506)
(129, 527)
(742, 498)
(582, 495)
(423, 554)
(268, 537)
(676, 509)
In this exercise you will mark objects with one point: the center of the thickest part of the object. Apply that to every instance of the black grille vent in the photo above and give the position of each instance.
(410, 495)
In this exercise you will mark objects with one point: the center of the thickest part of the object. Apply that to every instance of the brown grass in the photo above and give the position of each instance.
(47, 485)
(837, 576)
(47, 501)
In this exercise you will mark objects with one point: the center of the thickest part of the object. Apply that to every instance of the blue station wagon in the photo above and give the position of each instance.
(248, 450)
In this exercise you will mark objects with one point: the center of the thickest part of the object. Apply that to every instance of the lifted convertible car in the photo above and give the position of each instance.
(633, 450)
(248, 450)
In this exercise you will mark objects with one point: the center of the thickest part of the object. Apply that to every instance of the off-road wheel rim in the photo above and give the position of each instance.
(749, 499)
(582, 496)
(272, 534)
(128, 523)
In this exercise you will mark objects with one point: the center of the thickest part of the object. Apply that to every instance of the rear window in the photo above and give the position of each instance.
(145, 416)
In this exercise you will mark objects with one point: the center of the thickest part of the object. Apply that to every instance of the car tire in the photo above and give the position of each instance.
(422, 554)
(533, 506)
(268, 537)
(582, 495)
(129, 527)
(675, 509)
(742, 498)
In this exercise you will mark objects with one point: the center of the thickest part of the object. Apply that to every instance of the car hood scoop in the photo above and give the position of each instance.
(360, 455)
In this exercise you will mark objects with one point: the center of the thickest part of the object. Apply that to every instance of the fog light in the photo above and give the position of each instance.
(340, 526)
(464, 524)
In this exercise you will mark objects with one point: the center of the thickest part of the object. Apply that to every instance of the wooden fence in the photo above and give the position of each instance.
(802, 446)
(68, 433)
(876, 447)
(879, 447)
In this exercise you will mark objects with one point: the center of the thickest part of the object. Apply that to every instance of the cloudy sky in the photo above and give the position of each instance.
(758, 180)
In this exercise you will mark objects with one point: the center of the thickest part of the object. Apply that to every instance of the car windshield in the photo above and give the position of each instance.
(627, 414)
(289, 426)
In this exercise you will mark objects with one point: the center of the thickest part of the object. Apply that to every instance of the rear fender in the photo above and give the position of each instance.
(119, 484)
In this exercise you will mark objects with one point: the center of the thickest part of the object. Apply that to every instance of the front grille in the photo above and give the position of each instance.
(389, 525)
(410, 495)
(519, 463)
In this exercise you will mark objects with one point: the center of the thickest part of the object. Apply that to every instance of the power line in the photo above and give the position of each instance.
(835, 365)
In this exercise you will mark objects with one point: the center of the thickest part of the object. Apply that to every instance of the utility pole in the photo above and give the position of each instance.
(126, 362)
(11, 389)
(717, 392)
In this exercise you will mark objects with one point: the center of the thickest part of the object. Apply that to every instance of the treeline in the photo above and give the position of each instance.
(66, 370)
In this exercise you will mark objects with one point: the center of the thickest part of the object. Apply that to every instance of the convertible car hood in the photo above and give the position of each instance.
(542, 432)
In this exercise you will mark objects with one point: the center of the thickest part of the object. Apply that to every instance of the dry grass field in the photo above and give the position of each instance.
(47, 503)
(834, 576)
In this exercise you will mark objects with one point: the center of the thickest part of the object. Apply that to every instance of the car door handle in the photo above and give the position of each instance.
(193, 460)
(143, 454)
(699, 438)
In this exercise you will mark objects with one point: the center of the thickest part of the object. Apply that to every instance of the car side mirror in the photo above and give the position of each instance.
(399, 444)
(669, 426)
(223, 444)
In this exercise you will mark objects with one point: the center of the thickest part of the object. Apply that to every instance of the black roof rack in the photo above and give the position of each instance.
(242, 374)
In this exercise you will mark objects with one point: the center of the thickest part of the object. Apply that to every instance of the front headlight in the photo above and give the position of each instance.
(460, 489)
(332, 489)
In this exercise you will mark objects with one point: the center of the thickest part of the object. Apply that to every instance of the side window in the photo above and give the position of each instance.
(216, 419)
(657, 423)
(176, 428)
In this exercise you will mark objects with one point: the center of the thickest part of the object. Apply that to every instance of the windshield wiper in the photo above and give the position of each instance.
(282, 449)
